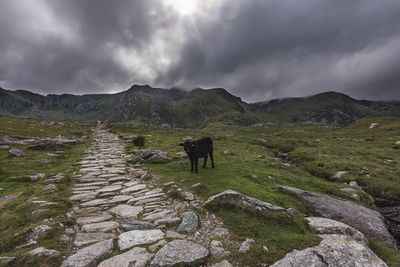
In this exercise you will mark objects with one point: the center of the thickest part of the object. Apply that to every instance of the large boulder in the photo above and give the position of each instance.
(230, 197)
(90, 255)
(369, 222)
(180, 252)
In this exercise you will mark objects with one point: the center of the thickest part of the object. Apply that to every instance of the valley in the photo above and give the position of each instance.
(356, 164)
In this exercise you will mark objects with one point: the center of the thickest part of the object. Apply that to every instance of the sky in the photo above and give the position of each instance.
(256, 49)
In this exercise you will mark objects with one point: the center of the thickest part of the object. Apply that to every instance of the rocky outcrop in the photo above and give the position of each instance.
(367, 221)
(180, 252)
(334, 250)
(324, 226)
(341, 245)
(51, 144)
(230, 197)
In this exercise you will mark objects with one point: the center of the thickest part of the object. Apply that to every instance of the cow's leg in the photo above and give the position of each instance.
(212, 159)
(196, 165)
(205, 161)
(191, 165)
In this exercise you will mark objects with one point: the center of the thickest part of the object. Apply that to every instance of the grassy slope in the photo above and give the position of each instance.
(16, 217)
(316, 150)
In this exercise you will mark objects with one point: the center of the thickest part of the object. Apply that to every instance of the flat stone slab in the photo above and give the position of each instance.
(126, 211)
(180, 252)
(160, 215)
(156, 195)
(136, 257)
(139, 237)
(93, 219)
(132, 183)
(230, 197)
(100, 227)
(110, 188)
(130, 225)
(95, 202)
(134, 188)
(118, 199)
(367, 221)
(83, 197)
(90, 255)
(82, 239)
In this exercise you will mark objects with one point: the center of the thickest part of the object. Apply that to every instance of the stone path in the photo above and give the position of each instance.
(116, 208)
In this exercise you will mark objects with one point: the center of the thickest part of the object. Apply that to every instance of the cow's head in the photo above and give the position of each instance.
(188, 146)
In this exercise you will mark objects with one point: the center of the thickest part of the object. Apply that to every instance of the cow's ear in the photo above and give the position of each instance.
(181, 144)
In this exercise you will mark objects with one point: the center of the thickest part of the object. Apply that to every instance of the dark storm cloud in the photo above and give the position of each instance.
(257, 49)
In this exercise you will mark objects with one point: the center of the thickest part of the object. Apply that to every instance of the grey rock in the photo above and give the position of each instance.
(180, 252)
(188, 196)
(139, 237)
(136, 257)
(50, 188)
(152, 155)
(82, 239)
(126, 211)
(219, 252)
(41, 251)
(221, 232)
(190, 222)
(90, 255)
(230, 197)
(246, 245)
(100, 227)
(130, 225)
(374, 125)
(334, 250)
(223, 263)
(39, 232)
(93, 219)
(324, 226)
(133, 189)
(337, 175)
(351, 192)
(15, 152)
(36, 177)
(367, 221)
(83, 197)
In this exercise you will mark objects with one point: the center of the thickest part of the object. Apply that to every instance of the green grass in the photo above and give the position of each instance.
(16, 217)
(317, 152)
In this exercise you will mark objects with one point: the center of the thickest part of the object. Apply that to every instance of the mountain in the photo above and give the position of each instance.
(328, 108)
(195, 108)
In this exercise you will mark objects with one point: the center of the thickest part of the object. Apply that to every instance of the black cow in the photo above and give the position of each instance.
(201, 148)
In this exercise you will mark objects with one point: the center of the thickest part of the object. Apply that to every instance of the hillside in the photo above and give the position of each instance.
(196, 108)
